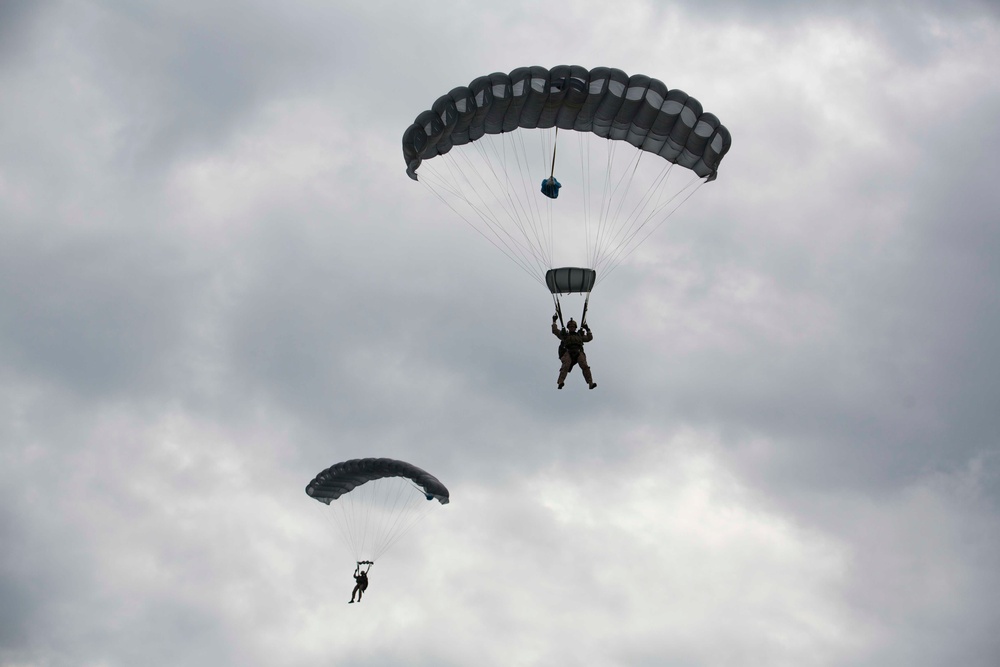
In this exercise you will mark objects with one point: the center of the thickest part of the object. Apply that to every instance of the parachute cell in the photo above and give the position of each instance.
(604, 101)
(341, 478)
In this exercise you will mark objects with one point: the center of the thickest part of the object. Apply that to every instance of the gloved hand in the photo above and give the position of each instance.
(555, 317)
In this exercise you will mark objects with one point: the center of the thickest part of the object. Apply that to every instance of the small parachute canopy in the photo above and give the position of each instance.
(378, 501)
(570, 279)
(344, 477)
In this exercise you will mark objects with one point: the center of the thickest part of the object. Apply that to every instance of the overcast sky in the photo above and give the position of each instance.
(217, 280)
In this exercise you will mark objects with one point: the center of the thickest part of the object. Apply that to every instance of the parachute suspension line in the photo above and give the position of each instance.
(542, 220)
(584, 149)
(653, 214)
(379, 503)
(607, 199)
(549, 203)
(624, 232)
(480, 207)
(393, 512)
(403, 530)
(619, 194)
(515, 251)
(624, 196)
(376, 514)
(555, 300)
(336, 527)
(387, 527)
(516, 212)
(544, 223)
(512, 252)
(586, 304)
(416, 508)
(523, 218)
(618, 260)
(361, 512)
(609, 160)
(385, 514)
(511, 257)
(519, 217)
(366, 511)
(639, 216)
(346, 514)
(483, 208)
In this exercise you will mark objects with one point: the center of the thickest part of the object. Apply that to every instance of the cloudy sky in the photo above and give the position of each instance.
(217, 280)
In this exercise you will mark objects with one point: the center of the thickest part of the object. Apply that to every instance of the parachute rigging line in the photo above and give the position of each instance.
(514, 251)
(495, 115)
(618, 261)
(526, 218)
(373, 517)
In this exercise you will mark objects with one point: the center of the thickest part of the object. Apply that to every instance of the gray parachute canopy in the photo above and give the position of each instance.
(344, 477)
(605, 101)
(570, 279)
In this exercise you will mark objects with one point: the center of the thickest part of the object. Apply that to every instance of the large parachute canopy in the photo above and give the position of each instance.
(487, 149)
(375, 501)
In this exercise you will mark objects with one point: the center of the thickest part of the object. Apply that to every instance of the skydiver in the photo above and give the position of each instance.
(571, 350)
(361, 580)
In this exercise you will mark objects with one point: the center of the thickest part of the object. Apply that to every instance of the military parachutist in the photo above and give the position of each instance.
(571, 350)
(360, 579)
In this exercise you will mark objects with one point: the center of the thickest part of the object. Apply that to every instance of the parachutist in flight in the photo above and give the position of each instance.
(361, 580)
(571, 350)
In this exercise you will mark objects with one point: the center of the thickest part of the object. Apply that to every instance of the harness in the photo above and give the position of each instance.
(571, 343)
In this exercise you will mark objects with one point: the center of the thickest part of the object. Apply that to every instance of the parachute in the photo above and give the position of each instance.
(507, 126)
(375, 501)
(569, 279)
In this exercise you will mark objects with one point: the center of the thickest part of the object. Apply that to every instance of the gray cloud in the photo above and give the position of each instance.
(215, 280)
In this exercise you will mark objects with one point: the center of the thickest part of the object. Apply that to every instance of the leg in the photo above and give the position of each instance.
(585, 369)
(567, 366)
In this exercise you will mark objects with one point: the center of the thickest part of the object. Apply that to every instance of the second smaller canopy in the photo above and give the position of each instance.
(570, 279)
